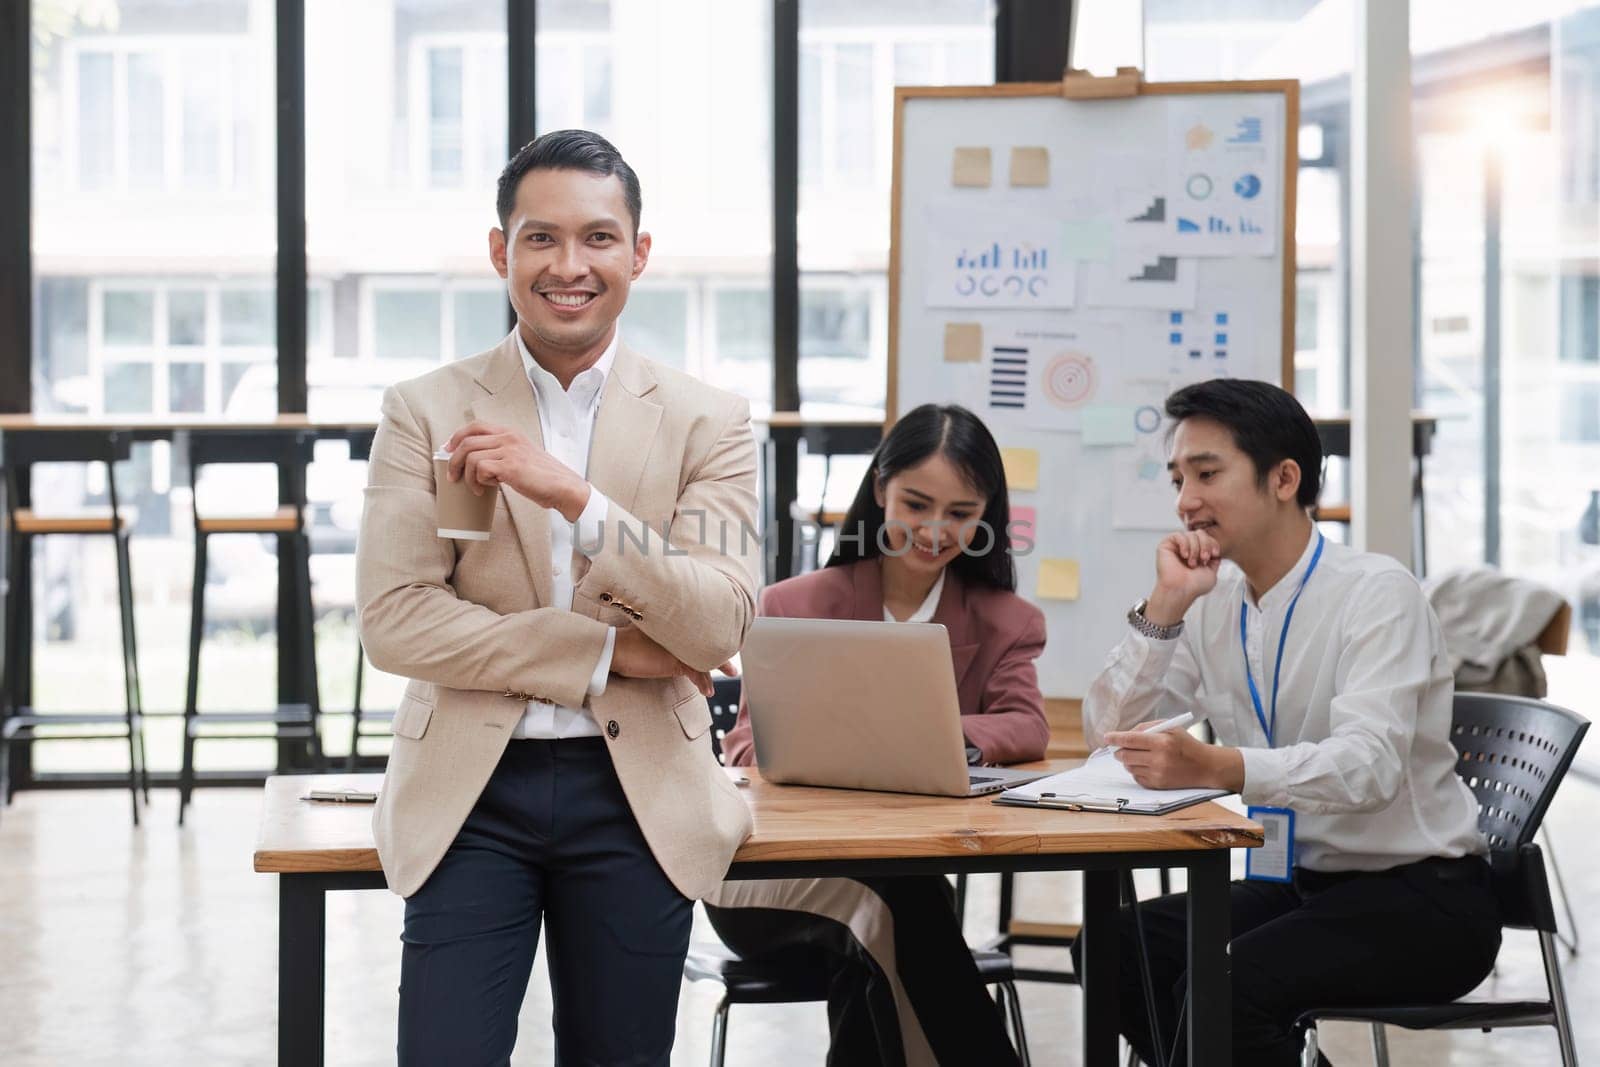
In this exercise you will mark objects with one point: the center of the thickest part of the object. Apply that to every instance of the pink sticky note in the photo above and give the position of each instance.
(1022, 527)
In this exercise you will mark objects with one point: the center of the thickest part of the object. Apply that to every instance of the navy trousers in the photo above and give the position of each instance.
(551, 839)
(1424, 932)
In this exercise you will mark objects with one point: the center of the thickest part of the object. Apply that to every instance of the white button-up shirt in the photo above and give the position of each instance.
(567, 418)
(1361, 748)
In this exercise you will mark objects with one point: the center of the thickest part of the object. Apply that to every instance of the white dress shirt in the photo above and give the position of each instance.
(567, 419)
(1361, 746)
(930, 604)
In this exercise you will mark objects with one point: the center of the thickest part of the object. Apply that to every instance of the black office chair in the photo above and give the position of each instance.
(297, 722)
(1513, 752)
(799, 977)
(20, 723)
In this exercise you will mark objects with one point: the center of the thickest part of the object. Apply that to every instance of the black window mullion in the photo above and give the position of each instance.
(1031, 40)
(522, 18)
(16, 221)
(785, 467)
(290, 67)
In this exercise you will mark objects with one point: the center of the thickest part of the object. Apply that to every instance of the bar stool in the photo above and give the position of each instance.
(289, 452)
(21, 723)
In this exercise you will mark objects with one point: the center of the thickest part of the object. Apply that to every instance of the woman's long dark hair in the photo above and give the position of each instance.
(963, 439)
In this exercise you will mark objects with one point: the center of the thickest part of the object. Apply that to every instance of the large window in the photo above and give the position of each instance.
(404, 143)
(683, 90)
(1508, 186)
(153, 251)
(852, 55)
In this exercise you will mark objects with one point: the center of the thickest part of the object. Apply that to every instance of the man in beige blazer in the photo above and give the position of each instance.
(551, 760)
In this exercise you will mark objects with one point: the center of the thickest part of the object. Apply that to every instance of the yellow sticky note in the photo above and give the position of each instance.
(1022, 467)
(971, 167)
(963, 342)
(1030, 166)
(1058, 579)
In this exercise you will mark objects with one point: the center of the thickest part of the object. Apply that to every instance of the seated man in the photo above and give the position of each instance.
(1322, 671)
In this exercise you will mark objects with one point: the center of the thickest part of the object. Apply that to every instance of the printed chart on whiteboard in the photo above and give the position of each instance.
(1047, 375)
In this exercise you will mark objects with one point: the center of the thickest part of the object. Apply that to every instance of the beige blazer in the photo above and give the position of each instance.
(469, 623)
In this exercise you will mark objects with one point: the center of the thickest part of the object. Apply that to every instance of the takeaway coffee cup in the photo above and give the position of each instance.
(462, 514)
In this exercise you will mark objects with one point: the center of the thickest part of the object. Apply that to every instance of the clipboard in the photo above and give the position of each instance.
(1113, 805)
(1102, 784)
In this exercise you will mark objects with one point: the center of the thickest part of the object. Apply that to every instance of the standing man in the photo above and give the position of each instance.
(1323, 672)
(551, 759)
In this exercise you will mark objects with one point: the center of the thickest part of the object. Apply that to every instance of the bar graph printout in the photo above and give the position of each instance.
(1223, 174)
(993, 260)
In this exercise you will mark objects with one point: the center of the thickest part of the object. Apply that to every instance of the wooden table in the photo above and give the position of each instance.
(803, 832)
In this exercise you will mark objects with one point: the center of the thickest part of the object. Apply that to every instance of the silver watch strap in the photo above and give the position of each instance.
(1155, 632)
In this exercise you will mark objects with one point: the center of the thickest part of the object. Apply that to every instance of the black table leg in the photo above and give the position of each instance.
(302, 926)
(1210, 1017)
(1101, 978)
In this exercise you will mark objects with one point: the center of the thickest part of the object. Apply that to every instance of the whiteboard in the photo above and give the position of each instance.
(1149, 244)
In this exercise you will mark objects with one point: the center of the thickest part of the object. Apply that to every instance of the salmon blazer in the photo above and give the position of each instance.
(470, 622)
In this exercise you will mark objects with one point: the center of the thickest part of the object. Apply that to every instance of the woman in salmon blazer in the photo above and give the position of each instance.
(926, 540)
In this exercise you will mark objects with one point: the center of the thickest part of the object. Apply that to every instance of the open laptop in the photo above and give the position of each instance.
(861, 705)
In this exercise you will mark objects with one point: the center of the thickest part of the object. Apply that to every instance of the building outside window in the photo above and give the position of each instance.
(153, 254)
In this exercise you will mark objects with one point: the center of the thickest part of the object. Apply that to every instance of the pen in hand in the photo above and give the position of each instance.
(1177, 722)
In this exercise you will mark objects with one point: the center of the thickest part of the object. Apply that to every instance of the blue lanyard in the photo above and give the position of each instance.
(1270, 727)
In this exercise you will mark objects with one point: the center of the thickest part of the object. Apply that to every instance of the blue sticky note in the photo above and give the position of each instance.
(1107, 424)
(1176, 317)
(1222, 318)
(1175, 338)
(1222, 338)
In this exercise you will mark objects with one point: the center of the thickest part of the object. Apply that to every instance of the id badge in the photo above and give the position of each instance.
(1274, 860)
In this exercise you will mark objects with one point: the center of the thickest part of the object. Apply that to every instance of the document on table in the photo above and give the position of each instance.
(1103, 784)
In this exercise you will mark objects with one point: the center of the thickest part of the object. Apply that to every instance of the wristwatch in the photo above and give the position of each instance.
(1151, 630)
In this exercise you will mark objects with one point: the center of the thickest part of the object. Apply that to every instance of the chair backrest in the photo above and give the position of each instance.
(23, 450)
(724, 711)
(67, 446)
(285, 448)
(290, 451)
(1512, 751)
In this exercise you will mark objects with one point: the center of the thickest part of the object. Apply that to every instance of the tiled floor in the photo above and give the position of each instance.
(157, 946)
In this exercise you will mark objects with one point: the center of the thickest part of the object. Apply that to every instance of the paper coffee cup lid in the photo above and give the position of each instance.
(440, 453)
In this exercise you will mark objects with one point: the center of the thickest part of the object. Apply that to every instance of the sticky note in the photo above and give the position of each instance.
(1107, 424)
(1058, 579)
(963, 342)
(1088, 239)
(1023, 527)
(1030, 166)
(971, 168)
(1022, 467)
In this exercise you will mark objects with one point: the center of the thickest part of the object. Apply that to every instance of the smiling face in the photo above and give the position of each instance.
(568, 255)
(934, 500)
(1220, 491)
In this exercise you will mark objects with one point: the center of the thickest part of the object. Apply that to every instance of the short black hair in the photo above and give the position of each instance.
(1267, 423)
(568, 150)
(966, 442)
